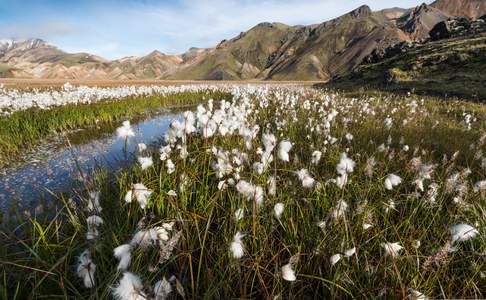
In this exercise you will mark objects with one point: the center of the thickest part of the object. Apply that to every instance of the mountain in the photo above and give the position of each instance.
(472, 9)
(243, 57)
(419, 21)
(452, 63)
(268, 51)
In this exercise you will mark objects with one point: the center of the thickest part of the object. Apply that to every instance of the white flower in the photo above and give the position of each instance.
(141, 147)
(345, 165)
(480, 186)
(392, 249)
(162, 289)
(416, 295)
(278, 210)
(145, 162)
(388, 122)
(269, 141)
(222, 185)
(305, 178)
(392, 180)
(316, 157)
(350, 252)
(288, 273)
(124, 254)
(367, 226)
(165, 152)
(283, 150)
(93, 222)
(142, 238)
(170, 166)
(349, 137)
(462, 232)
(250, 191)
(86, 269)
(129, 288)
(272, 185)
(341, 180)
(406, 148)
(237, 249)
(172, 193)
(125, 131)
(339, 211)
(335, 258)
(94, 202)
(141, 194)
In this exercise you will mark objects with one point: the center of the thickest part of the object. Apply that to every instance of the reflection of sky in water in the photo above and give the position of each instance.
(57, 173)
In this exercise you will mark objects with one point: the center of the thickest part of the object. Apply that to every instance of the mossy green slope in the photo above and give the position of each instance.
(452, 67)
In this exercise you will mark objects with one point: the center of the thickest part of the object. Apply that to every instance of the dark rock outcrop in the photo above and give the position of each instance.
(457, 27)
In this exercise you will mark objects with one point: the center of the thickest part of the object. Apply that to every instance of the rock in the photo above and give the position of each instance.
(457, 27)
(361, 11)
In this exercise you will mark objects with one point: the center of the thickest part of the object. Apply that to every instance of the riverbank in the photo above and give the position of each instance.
(24, 129)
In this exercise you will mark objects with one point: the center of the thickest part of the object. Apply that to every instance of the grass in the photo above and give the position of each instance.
(39, 255)
(445, 68)
(24, 129)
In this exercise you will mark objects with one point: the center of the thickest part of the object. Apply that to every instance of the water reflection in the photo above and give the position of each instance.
(55, 169)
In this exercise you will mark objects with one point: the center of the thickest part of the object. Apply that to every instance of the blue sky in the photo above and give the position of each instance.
(118, 28)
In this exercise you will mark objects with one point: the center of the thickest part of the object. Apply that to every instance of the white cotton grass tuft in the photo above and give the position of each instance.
(145, 162)
(278, 210)
(93, 222)
(334, 259)
(367, 226)
(392, 249)
(129, 288)
(392, 180)
(125, 131)
(416, 295)
(480, 186)
(462, 232)
(237, 248)
(170, 166)
(250, 191)
(269, 141)
(305, 178)
(350, 252)
(140, 192)
(124, 254)
(86, 269)
(283, 150)
(339, 211)
(345, 165)
(141, 147)
(288, 273)
(162, 289)
(316, 157)
(272, 186)
(94, 202)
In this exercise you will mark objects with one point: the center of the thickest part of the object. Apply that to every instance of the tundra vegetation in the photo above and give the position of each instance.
(264, 192)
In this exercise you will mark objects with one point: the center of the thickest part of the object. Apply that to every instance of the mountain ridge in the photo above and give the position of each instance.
(267, 51)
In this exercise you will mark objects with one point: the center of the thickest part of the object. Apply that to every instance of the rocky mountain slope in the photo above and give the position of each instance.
(472, 9)
(272, 51)
(451, 63)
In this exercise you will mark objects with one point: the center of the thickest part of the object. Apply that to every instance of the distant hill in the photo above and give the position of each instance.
(268, 51)
(450, 64)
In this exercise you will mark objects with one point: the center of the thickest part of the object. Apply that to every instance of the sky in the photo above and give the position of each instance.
(117, 28)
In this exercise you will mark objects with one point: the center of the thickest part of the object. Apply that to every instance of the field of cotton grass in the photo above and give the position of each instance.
(276, 193)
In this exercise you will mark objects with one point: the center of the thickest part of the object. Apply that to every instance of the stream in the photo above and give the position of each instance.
(54, 167)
